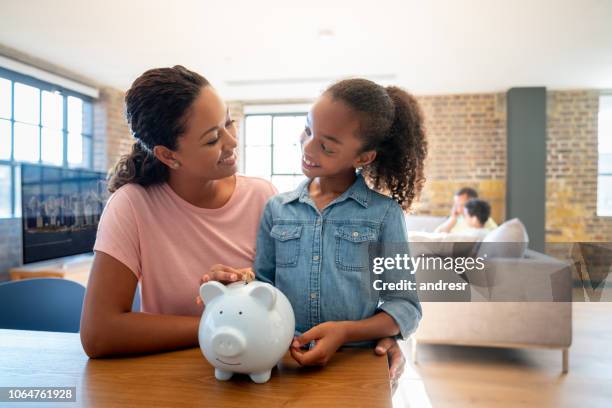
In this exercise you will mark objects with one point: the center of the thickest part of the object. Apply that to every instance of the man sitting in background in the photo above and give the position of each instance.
(456, 222)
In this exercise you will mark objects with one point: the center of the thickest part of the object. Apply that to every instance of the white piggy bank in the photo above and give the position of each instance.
(245, 328)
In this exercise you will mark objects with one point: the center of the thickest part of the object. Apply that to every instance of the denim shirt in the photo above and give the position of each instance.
(319, 259)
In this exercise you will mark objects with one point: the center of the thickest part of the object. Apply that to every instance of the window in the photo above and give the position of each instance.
(39, 123)
(272, 147)
(604, 176)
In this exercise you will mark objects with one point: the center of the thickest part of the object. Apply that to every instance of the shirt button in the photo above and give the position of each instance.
(355, 234)
(315, 258)
(313, 295)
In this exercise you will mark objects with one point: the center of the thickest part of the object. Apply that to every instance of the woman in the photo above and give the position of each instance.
(178, 209)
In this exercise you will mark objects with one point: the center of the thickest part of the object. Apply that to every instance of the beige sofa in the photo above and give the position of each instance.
(489, 321)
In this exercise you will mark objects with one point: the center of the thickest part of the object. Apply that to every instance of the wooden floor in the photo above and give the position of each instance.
(453, 376)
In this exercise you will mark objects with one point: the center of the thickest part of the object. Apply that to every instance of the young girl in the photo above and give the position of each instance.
(361, 140)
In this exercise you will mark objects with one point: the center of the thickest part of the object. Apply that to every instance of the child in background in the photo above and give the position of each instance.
(476, 213)
(363, 151)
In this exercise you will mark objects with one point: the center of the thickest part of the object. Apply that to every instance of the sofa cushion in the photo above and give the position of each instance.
(441, 243)
(425, 223)
(509, 240)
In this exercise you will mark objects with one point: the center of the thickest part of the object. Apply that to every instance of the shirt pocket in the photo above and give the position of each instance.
(352, 247)
(287, 244)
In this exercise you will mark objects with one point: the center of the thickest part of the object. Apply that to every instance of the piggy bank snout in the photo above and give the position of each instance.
(228, 342)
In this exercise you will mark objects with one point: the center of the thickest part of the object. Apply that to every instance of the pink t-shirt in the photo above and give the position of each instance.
(169, 243)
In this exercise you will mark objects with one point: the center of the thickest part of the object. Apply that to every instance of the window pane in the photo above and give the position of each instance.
(52, 146)
(52, 110)
(604, 196)
(75, 149)
(286, 183)
(287, 159)
(27, 103)
(75, 115)
(5, 140)
(257, 161)
(5, 191)
(604, 181)
(86, 151)
(258, 130)
(5, 98)
(287, 129)
(605, 124)
(605, 163)
(87, 118)
(26, 143)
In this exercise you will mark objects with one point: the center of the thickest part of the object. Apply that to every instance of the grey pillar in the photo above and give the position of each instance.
(526, 172)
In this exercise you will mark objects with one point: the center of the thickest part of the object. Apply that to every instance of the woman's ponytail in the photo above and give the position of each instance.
(140, 166)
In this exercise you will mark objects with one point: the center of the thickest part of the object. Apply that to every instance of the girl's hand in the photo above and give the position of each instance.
(329, 336)
(225, 275)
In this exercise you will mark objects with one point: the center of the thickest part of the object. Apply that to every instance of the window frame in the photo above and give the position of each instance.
(273, 114)
(14, 165)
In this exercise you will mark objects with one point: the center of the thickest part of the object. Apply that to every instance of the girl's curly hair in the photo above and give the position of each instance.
(391, 123)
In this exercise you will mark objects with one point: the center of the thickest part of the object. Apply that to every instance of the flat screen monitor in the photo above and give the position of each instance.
(60, 210)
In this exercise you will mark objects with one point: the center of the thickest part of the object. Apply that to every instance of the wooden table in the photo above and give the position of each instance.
(354, 377)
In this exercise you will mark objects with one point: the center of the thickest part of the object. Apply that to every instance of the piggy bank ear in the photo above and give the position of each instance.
(211, 290)
(264, 294)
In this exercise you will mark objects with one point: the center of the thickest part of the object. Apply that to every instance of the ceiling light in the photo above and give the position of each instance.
(326, 33)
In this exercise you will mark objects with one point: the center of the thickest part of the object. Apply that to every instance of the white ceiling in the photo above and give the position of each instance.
(273, 49)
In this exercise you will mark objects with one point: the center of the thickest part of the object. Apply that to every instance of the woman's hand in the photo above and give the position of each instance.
(329, 336)
(389, 347)
(226, 274)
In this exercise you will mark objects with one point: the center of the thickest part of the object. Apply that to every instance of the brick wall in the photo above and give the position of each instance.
(571, 169)
(111, 129)
(467, 147)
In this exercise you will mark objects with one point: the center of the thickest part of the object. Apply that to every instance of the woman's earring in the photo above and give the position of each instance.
(176, 165)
